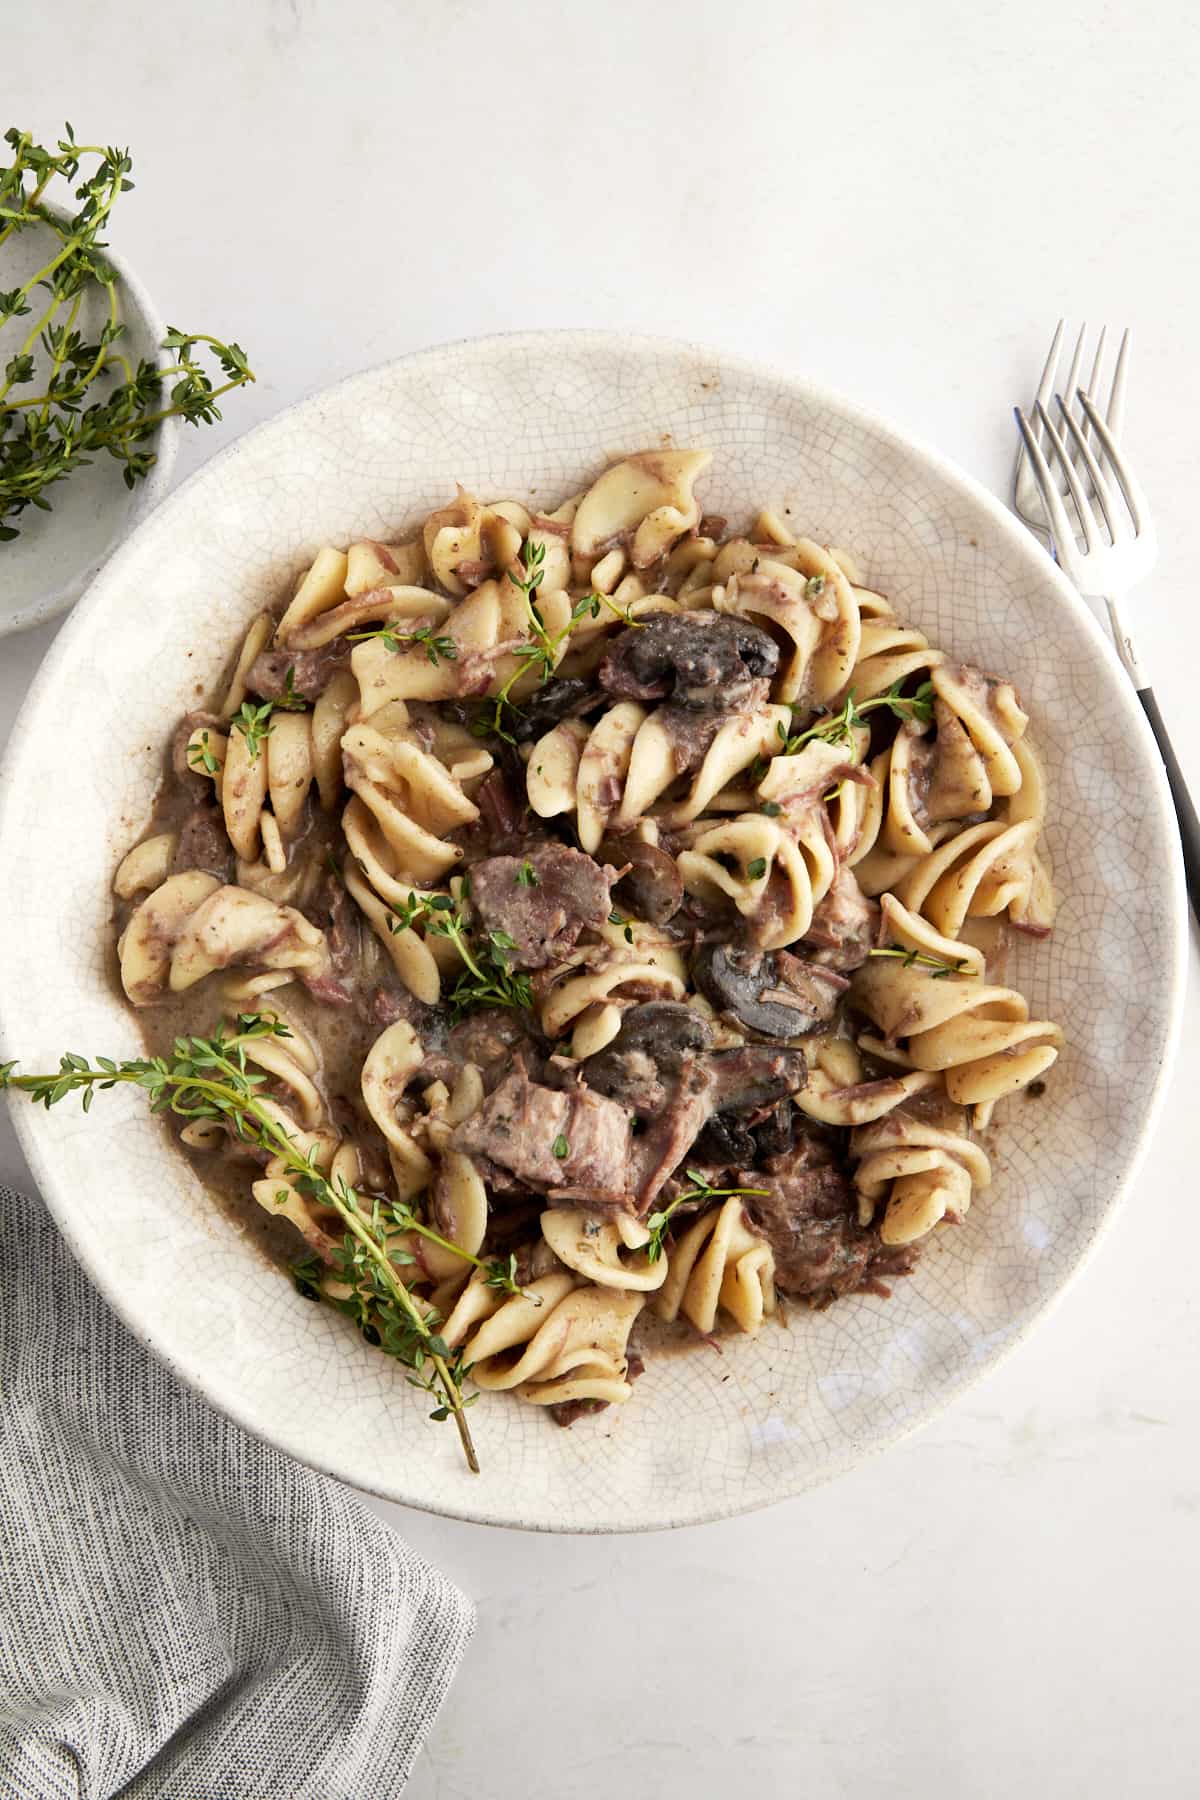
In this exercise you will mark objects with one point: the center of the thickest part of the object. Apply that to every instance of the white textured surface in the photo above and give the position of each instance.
(1001, 1605)
(521, 417)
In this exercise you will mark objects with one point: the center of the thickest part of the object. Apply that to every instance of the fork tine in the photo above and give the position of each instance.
(1135, 499)
(1093, 386)
(1056, 512)
(1104, 494)
(1046, 384)
(1077, 358)
(1087, 518)
(1116, 394)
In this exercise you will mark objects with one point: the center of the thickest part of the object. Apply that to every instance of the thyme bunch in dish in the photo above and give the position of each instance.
(214, 1078)
(53, 417)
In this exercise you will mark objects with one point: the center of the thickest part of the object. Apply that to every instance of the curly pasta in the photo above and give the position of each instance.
(192, 925)
(720, 1263)
(978, 1036)
(775, 871)
(607, 857)
(588, 1001)
(611, 774)
(924, 1172)
(263, 786)
(558, 1341)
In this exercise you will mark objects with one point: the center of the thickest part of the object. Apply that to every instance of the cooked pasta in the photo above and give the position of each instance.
(628, 901)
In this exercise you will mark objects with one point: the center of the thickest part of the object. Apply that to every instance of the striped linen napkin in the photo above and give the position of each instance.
(185, 1613)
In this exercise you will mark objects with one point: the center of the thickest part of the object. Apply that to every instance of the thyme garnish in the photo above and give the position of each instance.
(212, 1078)
(923, 960)
(488, 979)
(839, 727)
(438, 648)
(700, 1189)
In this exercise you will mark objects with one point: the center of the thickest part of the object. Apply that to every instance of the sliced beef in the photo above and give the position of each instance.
(203, 843)
(843, 925)
(492, 1039)
(502, 812)
(660, 1065)
(312, 670)
(695, 659)
(542, 901)
(809, 1216)
(571, 1143)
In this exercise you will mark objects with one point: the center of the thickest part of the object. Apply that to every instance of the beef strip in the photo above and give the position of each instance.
(662, 1068)
(542, 901)
(809, 1216)
(519, 1126)
(843, 925)
(492, 1039)
(203, 843)
(312, 670)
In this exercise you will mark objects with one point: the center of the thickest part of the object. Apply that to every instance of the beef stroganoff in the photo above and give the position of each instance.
(615, 906)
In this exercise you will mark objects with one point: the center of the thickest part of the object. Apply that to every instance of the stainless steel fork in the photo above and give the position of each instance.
(1101, 532)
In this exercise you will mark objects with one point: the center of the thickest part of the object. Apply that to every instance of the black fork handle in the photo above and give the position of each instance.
(1185, 812)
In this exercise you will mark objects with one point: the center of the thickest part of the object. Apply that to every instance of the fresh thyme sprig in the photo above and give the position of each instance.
(701, 1190)
(213, 1078)
(922, 959)
(488, 979)
(46, 435)
(200, 756)
(542, 650)
(839, 727)
(438, 648)
(254, 722)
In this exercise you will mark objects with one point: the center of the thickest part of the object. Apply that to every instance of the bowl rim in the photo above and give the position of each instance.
(51, 601)
(190, 1367)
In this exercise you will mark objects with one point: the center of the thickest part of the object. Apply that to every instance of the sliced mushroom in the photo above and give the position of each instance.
(652, 888)
(565, 698)
(697, 659)
(773, 1000)
(655, 1040)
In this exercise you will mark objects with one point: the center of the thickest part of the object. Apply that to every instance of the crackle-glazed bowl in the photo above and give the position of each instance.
(532, 416)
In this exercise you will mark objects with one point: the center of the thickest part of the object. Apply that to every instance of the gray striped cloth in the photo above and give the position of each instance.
(185, 1613)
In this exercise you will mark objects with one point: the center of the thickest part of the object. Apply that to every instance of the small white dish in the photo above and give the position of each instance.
(703, 1436)
(47, 568)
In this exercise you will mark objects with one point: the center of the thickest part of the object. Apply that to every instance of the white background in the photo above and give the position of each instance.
(899, 199)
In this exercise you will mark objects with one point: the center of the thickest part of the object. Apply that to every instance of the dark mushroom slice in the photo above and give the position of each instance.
(731, 1138)
(564, 698)
(697, 659)
(652, 887)
(641, 1064)
(770, 996)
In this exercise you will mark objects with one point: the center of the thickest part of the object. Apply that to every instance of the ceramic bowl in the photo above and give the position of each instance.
(533, 416)
(47, 568)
